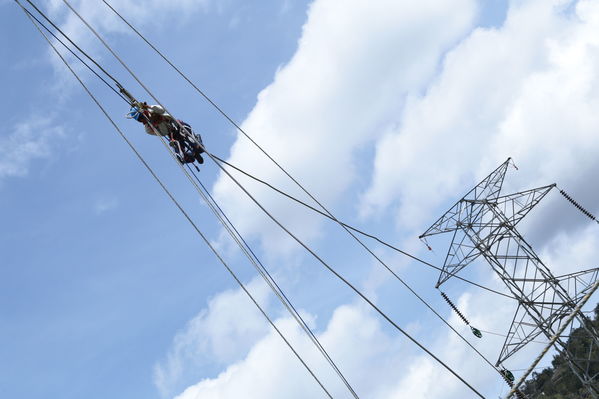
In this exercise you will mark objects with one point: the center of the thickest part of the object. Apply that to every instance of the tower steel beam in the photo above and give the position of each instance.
(483, 224)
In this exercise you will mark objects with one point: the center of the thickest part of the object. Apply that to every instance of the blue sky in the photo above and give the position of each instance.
(388, 112)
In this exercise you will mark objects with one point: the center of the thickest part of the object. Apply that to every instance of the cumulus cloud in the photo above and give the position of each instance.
(218, 335)
(354, 65)
(267, 368)
(528, 90)
(27, 142)
(378, 362)
(571, 252)
(271, 371)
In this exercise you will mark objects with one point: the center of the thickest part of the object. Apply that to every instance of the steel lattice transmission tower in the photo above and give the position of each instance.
(483, 224)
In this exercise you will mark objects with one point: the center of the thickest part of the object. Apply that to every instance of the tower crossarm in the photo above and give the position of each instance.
(488, 188)
(578, 283)
(479, 223)
(515, 206)
(484, 225)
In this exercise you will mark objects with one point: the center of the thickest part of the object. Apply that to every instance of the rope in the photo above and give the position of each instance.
(510, 383)
(159, 181)
(556, 338)
(380, 241)
(578, 206)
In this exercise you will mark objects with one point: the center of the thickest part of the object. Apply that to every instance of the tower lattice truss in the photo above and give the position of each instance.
(483, 224)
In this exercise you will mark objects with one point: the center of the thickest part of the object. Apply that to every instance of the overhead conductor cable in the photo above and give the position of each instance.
(259, 267)
(380, 241)
(157, 179)
(328, 214)
(278, 223)
(263, 271)
(40, 23)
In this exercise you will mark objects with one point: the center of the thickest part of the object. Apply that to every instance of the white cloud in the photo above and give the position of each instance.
(158, 15)
(268, 367)
(219, 335)
(571, 252)
(354, 65)
(527, 90)
(152, 13)
(379, 363)
(105, 204)
(270, 370)
(28, 141)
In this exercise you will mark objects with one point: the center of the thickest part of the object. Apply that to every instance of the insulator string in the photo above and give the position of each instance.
(578, 206)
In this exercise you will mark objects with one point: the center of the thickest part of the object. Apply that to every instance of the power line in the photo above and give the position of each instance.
(118, 84)
(380, 241)
(332, 217)
(70, 41)
(158, 180)
(254, 260)
(292, 310)
(416, 295)
(247, 251)
(328, 214)
(265, 274)
(285, 229)
(280, 225)
(345, 281)
(267, 277)
(75, 54)
(224, 114)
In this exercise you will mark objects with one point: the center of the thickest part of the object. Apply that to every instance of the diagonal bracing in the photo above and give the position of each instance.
(483, 224)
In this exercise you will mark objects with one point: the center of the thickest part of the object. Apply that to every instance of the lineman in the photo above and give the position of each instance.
(187, 145)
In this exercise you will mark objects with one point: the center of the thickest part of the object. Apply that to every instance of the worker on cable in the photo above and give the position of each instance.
(187, 145)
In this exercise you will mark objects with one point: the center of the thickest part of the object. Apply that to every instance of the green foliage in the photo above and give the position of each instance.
(558, 381)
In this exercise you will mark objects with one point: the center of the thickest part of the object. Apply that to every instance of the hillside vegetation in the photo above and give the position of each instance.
(558, 381)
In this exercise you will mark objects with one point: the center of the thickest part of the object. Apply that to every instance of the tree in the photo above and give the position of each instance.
(558, 381)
